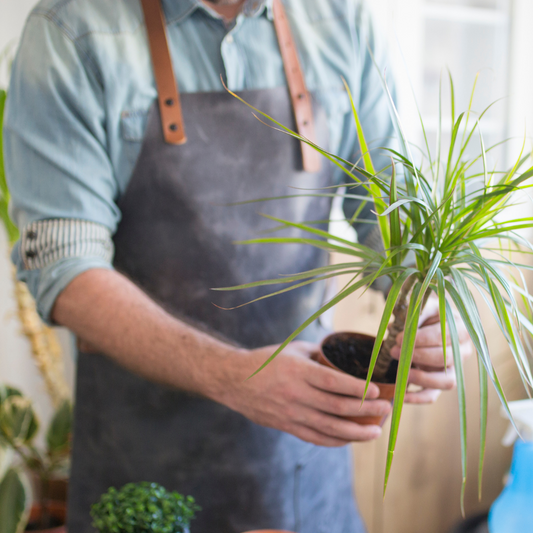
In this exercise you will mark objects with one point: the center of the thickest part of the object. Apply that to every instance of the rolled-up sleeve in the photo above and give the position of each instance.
(58, 170)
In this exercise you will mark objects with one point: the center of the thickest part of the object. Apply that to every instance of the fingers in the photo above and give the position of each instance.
(333, 381)
(314, 437)
(428, 352)
(432, 380)
(308, 349)
(431, 335)
(430, 357)
(298, 395)
(422, 397)
(434, 357)
(332, 427)
(344, 406)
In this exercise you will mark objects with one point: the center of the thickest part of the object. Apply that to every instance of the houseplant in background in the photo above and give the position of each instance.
(46, 352)
(143, 508)
(447, 211)
(18, 430)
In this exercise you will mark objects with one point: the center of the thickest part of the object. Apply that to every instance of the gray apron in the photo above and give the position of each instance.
(175, 241)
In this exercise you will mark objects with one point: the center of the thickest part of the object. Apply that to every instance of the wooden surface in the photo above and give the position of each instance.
(424, 487)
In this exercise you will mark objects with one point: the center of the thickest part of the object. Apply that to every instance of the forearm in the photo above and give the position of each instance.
(293, 393)
(107, 311)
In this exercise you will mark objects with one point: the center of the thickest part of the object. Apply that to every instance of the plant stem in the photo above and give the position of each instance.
(35, 463)
(400, 315)
(45, 519)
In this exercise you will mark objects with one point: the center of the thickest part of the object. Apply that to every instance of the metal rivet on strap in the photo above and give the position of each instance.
(169, 102)
(173, 127)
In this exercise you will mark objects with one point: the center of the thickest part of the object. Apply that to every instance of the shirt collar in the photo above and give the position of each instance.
(179, 10)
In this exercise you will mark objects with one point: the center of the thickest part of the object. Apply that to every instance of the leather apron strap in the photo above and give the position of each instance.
(301, 100)
(167, 86)
(169, 98)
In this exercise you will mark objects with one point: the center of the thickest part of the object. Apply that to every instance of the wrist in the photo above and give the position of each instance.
(222, 375)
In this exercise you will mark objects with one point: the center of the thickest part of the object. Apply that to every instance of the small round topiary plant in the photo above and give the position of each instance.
(143, 508)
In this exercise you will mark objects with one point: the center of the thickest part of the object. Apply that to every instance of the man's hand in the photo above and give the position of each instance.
(295, 394)
(428, 370)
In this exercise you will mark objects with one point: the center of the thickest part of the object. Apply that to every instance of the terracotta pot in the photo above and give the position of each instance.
(57, 488)
(366, 342)
(58, 510)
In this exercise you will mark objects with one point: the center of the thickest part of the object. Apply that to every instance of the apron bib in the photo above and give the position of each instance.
(176, 241)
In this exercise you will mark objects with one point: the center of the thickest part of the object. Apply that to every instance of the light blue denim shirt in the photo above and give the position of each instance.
(82, 83)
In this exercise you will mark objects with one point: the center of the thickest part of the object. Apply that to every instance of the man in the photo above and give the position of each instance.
(98, 169)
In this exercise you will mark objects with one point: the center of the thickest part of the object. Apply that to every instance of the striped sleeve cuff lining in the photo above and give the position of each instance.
(45, 242)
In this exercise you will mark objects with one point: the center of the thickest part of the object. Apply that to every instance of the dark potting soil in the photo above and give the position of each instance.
(352, 355)
(51, 523)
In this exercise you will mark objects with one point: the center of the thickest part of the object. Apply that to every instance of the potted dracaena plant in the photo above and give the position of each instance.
(143, 508)
(19, 457)
(454, 216)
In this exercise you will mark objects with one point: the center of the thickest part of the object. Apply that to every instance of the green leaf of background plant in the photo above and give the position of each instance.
(6, 391)
(18, 422)
(13, 503)
(60, 429)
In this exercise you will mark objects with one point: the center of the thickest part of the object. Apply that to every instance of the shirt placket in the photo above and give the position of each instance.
(233, 58)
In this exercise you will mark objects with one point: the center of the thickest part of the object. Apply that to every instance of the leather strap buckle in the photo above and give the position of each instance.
(167, 86)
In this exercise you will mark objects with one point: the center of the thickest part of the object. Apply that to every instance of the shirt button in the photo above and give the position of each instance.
(229, 39)
(31, 235)
(30, 254)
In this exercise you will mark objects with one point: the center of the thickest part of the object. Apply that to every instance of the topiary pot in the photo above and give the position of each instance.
(144, 507)
(350, 353)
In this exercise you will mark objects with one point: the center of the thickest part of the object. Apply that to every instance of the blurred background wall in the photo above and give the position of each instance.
(489, 37)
